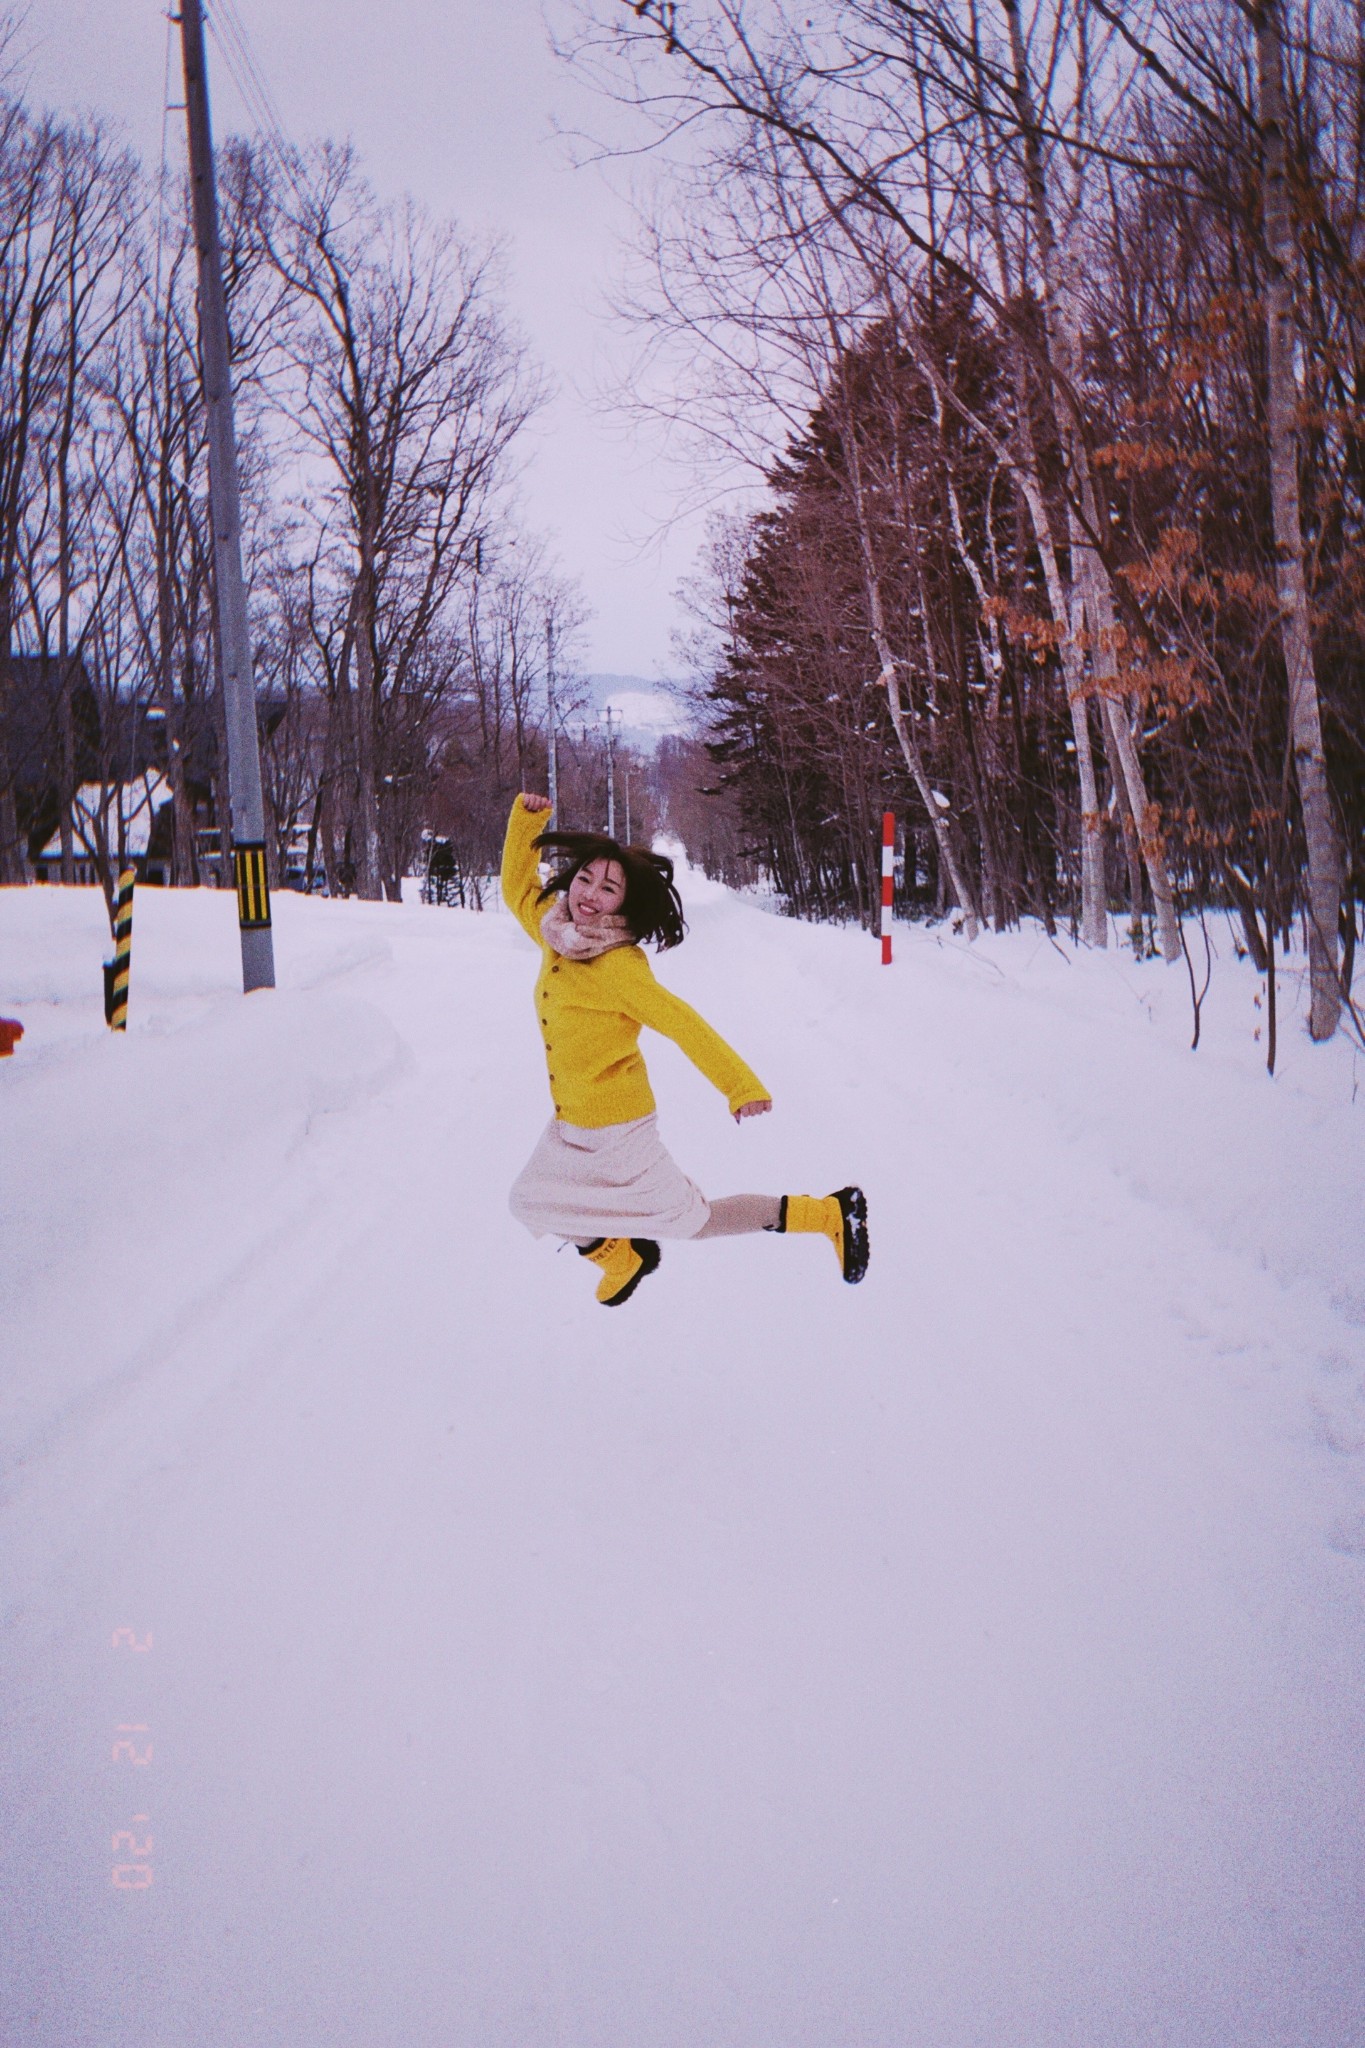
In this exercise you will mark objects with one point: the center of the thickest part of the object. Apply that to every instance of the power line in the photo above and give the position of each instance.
(234, 46)
(229, 33)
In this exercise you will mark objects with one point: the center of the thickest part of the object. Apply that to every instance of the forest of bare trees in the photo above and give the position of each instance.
(400, 617)
(1045, 326)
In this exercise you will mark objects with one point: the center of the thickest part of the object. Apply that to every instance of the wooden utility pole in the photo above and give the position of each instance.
(239, 688)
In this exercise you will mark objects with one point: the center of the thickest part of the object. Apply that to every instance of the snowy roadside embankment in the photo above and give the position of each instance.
(970, 1657)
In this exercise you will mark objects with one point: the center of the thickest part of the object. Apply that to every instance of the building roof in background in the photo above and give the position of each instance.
(140, 802)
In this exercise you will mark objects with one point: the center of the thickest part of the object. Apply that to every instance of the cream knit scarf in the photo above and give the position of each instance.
(587, 938)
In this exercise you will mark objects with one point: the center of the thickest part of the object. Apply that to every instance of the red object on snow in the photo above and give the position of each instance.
(11, 1031)
(888, 880)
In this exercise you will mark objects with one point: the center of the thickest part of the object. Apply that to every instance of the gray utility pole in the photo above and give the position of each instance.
(239, 688)
(550, 719)
(611, 776)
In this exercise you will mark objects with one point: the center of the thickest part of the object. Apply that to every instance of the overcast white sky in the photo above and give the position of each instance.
(453, 100)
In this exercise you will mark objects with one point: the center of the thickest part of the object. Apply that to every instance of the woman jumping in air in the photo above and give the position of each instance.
(600, 1176)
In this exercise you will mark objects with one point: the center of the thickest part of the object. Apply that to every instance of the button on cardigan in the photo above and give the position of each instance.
(591, 1011)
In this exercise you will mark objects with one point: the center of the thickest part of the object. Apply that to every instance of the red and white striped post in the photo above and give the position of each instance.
(888, 880)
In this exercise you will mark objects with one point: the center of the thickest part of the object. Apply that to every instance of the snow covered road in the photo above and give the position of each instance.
(969, 1660)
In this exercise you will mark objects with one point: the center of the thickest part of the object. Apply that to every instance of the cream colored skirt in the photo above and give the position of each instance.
(617, 1181)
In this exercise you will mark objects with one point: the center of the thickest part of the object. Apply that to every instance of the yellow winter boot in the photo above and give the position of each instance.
(625, 1262)
(841, 1217)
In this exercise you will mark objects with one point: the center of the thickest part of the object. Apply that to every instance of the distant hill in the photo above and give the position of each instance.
(644, 706)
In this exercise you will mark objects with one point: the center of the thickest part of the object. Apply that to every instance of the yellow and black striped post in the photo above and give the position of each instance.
(253, 888)
(119, 968)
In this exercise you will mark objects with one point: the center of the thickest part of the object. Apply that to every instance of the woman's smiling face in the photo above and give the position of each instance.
(597, 890)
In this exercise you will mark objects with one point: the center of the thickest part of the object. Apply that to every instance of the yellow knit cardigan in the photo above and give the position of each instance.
(590, 1011)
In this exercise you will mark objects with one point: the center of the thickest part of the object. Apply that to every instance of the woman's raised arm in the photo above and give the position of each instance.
(520, 879)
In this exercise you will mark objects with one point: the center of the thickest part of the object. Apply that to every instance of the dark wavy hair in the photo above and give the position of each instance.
(652, 906)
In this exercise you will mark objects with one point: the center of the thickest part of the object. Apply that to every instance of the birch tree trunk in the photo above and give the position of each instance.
(1022, 464)
(184, 853)
(222, 809)
(890, 682)
(66, 736)
(366, 723)
(1094, 907)
(1024, 469)
(11, 853)
(1305, 716)
(1114, 708)
(1088, 571)
(992, 663)
(1131, 854)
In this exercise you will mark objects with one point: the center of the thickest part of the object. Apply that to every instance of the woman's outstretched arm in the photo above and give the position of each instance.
(520, 880)
(643, 998)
